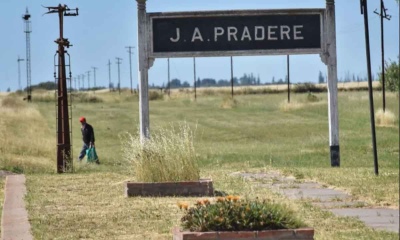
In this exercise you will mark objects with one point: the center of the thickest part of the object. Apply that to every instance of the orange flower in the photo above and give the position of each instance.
(229, 198)
(220, 199)
(235, 198)
(206, 201)
(183, 205)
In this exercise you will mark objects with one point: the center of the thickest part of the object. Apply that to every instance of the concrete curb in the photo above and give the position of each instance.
(14, 221)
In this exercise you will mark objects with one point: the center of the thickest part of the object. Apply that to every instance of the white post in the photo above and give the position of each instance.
(143, 72)
(331, 62)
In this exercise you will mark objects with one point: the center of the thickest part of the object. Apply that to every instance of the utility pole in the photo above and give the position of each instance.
(79, 82)
(83, 81)
(130, 64)
(232, 77)
(169, 84)
(28, 31)
(88, 79)
(194, 80)
(119, 76)
(383, 15)
(364, 11)
(288, 77)
(19, 73)
(94, 76)
(109, 74)
(75, 82)
(64, 160)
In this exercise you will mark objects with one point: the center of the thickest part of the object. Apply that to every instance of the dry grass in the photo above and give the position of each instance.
(229, 102)
(20, 123)
(385, 119)
(2, 182)
(168, 156)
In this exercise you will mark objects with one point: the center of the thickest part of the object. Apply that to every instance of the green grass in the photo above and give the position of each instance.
(256, 134)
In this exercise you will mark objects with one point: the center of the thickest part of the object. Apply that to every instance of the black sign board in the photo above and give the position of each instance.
(236, 33)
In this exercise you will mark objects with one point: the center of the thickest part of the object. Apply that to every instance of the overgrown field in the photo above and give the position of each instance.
(249, 133)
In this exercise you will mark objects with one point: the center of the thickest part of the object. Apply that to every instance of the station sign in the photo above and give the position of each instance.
(235, 33)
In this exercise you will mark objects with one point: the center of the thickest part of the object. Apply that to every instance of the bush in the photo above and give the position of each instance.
(85, 98)
(392, 81)
(155, 95)
(308, 87)
(168, 156)
(312, 98)
(233, 214)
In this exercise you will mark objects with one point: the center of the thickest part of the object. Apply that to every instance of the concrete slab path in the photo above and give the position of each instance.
(333, 200)
(14, 221)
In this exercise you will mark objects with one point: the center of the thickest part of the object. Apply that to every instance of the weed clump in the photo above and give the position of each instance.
(233, 214)
(229, 102)
(385, 119)
(168, 156)
(155, 95)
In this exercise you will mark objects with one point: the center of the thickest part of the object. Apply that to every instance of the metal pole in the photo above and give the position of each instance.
(83, 81)
(194, 82)
(288, 78)
(364, 11)
(231, 76)
(28, 31)
(169, 84)
(130, 64)
(64, 160)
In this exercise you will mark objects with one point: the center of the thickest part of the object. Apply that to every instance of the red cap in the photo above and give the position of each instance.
(82, 119)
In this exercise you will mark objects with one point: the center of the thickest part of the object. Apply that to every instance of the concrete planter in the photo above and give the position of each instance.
(284, 234)
(203, 187)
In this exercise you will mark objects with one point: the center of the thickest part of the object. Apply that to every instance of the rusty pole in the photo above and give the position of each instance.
(64, 160)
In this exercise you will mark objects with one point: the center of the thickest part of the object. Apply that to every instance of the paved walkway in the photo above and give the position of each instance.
(14, 222)
(335, 201)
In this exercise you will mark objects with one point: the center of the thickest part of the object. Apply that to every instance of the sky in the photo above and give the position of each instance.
(103, 29)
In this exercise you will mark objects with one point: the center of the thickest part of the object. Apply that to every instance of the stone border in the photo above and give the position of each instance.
(203, 187)
(283, 234)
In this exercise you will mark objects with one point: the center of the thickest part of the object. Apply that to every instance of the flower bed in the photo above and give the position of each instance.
(203, 187)
(232, 218)
(283, 234)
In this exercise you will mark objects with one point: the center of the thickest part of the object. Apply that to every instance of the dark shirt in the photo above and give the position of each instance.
(87, 134)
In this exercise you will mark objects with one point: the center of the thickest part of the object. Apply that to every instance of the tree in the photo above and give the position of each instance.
(8, 90)
(185, 84)
(321, 78)
(392, 80)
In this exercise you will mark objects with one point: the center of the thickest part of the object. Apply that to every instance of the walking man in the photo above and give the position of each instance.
(87, 137)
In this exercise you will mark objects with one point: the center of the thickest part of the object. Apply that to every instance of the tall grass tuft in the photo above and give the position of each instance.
(385, 119)
(168, 156)
(228, 102)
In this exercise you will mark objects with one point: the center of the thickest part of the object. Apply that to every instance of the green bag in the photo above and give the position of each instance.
(91, 155)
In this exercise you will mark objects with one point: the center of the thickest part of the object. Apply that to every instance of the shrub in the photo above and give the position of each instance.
(228, 102)
(86, 98)
(167, 156)
(308, 87)
(312, 98)
(233, 214)
(155, 95)
(11, 102)
(392, 81)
